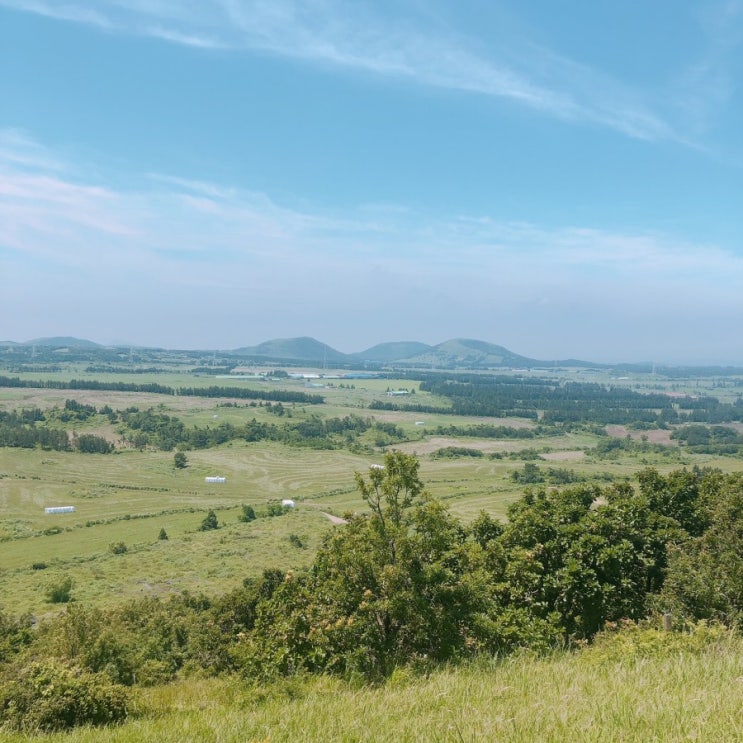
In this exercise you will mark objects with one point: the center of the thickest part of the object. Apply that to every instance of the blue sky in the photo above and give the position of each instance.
(564, 179)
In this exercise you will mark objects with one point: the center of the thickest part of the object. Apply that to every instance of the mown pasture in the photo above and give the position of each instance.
(129, 496)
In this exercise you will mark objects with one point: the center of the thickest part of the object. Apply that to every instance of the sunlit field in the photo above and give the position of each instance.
(129, 496)
(667, 691)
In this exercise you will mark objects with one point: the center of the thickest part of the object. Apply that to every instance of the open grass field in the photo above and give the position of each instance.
(663, 690)
(668, 690)
(129, 496)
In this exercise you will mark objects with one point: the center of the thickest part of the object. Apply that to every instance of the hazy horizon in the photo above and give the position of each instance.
(354, 350)
(216, 175)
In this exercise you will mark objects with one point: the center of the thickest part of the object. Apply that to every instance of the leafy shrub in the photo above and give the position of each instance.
(529, 475)
(163, 535)
(705, 574)
(623, 640)
(247, 515)
(296, 541)
(452, 452)
(118, 548)
(210, 522)
(48, 696)
(38, 566)
(16, 633)
(60, 593)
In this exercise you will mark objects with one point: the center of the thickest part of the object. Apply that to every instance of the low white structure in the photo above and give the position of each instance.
(216, 478)
(287, 503)
(60, 509)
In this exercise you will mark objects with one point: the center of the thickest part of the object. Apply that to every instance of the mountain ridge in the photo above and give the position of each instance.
(459, 353)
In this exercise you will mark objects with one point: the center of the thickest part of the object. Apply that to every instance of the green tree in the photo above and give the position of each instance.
(210, 522)
(390, 490)
(179, 460)
(584, 555)
(679, 495)
(705, 574)
(247, 514)
(163, 535)
(403, 582)
(89, 443)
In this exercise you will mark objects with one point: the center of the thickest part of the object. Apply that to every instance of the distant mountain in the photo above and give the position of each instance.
(385, 353)
(459, 353)
(295, 349)
(470, 354)
(63, 342)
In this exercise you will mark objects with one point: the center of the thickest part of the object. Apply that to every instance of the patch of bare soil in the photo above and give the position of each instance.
(654, 436)
(333, 519)
(403, 416)
(107, 431)
(440, 442)
(563, 456)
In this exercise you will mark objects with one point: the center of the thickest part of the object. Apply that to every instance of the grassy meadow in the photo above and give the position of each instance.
(652, 687)
(130, 495)
(638, 687)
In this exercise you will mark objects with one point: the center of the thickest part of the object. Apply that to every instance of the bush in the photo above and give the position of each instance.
(89, 443)
(179, 460)
(163, 535)
(60, 593)
(118, 548)
(452, 452)
(16, 633)
(247, 515)
(48, 696)
(622, 640)
(210, 522)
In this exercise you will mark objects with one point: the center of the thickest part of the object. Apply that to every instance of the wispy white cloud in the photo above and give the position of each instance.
(178, 37)
(41, 193)
(72, 11)
(358, 37)
(173, 254)
(707, 85)
(19, 150)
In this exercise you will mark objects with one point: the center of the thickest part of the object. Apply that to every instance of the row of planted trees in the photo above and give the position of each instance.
(409, 583)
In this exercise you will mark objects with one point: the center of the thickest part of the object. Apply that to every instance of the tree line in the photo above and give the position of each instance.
(572, 402)
(161, 389)
(142, 428)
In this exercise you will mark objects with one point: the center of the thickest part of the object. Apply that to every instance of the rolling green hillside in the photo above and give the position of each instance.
(295, 349)
(395, 351)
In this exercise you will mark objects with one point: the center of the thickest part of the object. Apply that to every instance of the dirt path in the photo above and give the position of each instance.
(334, 519)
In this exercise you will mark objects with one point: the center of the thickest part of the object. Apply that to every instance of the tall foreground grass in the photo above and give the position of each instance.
(636, 686)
